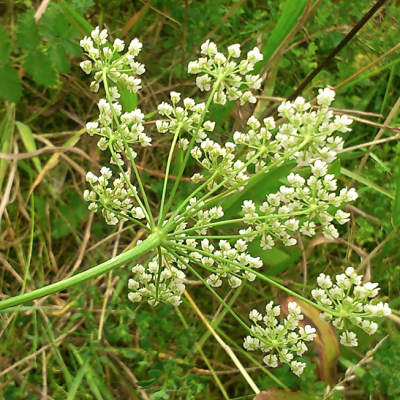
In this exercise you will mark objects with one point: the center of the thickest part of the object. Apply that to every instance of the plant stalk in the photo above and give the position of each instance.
(144, 247)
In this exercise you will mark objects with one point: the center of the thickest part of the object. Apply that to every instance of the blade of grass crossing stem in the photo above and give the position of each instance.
(220, 317)
(54, 160)
(6, 133)
(79, 22)
(367, 182)
(253, 360)
(292, 10)
(368, 75)
(29, 142)
(49, 334)
(205, 359)
(83, 370)
(96, 385)
(389, 88)
(396, 202)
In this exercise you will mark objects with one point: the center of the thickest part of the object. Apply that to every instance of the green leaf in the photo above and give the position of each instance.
(276, 258)
(28, 33)
(292, 10)
(75, 19)
(256, 189)
(38, 65)
(29, 142)
(367, 182)
(159, 395)
(5, 47)
(128, 100)
(57, 55)
(57, 30)
(74, 212)
(396, 203)
(71, 48)
(54, 24)
(10, 88)
(335, 168)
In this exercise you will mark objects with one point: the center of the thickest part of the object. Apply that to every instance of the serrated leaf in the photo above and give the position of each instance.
(56, 29)
(28, 37)
(56, 54)
(39, 67)
(10, 87)
(72, 48)
(54, 24)
(5, 47)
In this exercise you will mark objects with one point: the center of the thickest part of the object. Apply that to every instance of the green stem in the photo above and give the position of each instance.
(258, 274)
(146, 207)
(264, 170)
(232, 189)
(144, 247)
(254, 220)
(185, 160)
(163, 208)
(218, 297)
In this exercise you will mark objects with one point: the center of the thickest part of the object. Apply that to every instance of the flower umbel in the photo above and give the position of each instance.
(281, 342)
(104, 63)
(232, 79)
(352, 303)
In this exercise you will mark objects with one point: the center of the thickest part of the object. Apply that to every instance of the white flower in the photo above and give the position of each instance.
(99, 37)
(270, 360)
(319, 168)
(348, 339)
(234, 50)
(325, 97)
(107, 52)
(216, 69)
(86, 66)
(86, 43)
(203, 82)
(324, 281)
(297, 367)
(119, 45)
(134, 47)
(254, 56)
(369, 327)
(254, 315)
(208, 48)
(209, 126)
(175, 97)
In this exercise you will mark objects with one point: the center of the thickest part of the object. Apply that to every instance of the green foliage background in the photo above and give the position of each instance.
(97, 345)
